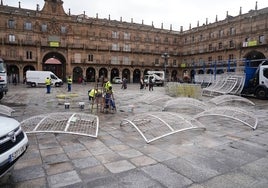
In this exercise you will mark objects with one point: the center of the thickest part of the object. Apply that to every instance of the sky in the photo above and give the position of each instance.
(167, 12)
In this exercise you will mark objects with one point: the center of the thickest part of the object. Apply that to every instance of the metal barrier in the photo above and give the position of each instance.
(155, 125)
(238, 114)
(63, 122)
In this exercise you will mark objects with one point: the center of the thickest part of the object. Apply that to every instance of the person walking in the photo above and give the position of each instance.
(124, 84)
(48, 84)
(141, 83)
(151, 84)
(69, 81)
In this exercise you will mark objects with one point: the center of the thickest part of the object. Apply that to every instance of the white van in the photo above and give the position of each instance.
(37, 78)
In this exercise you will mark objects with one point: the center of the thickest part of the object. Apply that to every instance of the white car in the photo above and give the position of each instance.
(117, 80)
(13, 143)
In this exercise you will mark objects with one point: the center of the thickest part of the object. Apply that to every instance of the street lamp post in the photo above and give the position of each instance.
(165, 56)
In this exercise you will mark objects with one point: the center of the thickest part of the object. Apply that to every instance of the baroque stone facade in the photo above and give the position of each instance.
(85, 47)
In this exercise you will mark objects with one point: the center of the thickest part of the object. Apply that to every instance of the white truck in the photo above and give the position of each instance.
(37, 78)
(3, 79)
(158, 77)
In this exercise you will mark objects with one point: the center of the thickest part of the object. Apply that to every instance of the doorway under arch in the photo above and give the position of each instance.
(77, 74)
(56, 63)
(136, 76)
(255, 58)
(90, 75)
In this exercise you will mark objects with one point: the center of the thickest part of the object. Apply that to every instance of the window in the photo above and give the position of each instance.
(221, 33)
(11, 24)
(156, 61)
(127, 48)
(28, 26)
(220, 45)
(29, 55)
(126, 36)
(232, 31)
(44, 28)
(77, 58)
(231, 44)
(63, 29)
(220, 58)
(265, 73)
(200, 37)
(115, 35)
(262, 39)
(192, 38)
(11, 38)
(90, 57)
(114, 60)
(115, 47)
(231, 56)
(174, 62)
(210, 47)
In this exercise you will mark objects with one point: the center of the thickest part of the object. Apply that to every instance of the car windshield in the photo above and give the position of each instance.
(2, 67)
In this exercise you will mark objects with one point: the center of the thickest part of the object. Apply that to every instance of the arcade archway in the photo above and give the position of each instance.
(255, 57)
(90, 75)
(56, 63)
(136, 76)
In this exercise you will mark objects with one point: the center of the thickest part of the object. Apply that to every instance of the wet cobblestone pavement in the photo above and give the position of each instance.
(227, 154)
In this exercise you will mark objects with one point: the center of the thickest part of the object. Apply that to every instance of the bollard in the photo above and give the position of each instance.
(82, 105)
(67, 105)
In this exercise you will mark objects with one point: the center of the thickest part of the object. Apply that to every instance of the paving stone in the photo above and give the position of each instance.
(85, 162)
(58, 168)
(109, 157)
(166, 176)
(119, 166)
(28, 173)
(130, 153)
(63, 179)
(194, 172)
(57, 158)
(162, 156)
(143, 161)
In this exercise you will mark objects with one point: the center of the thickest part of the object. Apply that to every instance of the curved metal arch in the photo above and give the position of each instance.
(5, 110)
(229, 98)
(155, 125)
(63, 122)
(185, 102)
(238, 114)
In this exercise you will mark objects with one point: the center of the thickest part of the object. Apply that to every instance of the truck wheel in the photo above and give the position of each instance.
(261, 93)
(57, 85)
(1, 95)
(33, 85)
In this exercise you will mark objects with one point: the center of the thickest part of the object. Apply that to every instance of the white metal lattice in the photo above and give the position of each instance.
(185, 102)
(63, 122)
(229, 98)
(238, 114)
(155, 125)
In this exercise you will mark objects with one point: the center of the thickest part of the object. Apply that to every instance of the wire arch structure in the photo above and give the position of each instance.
(235, 113)
(221, 99)
(156, 125)
(63, 122)
(185, 102)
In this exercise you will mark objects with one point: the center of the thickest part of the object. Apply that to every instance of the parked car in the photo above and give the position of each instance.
(117, 80)
(13, 143)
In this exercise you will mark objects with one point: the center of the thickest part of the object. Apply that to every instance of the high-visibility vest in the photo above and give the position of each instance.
(47, 82)
(107, 85)
(92, 93)
(69, 80)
